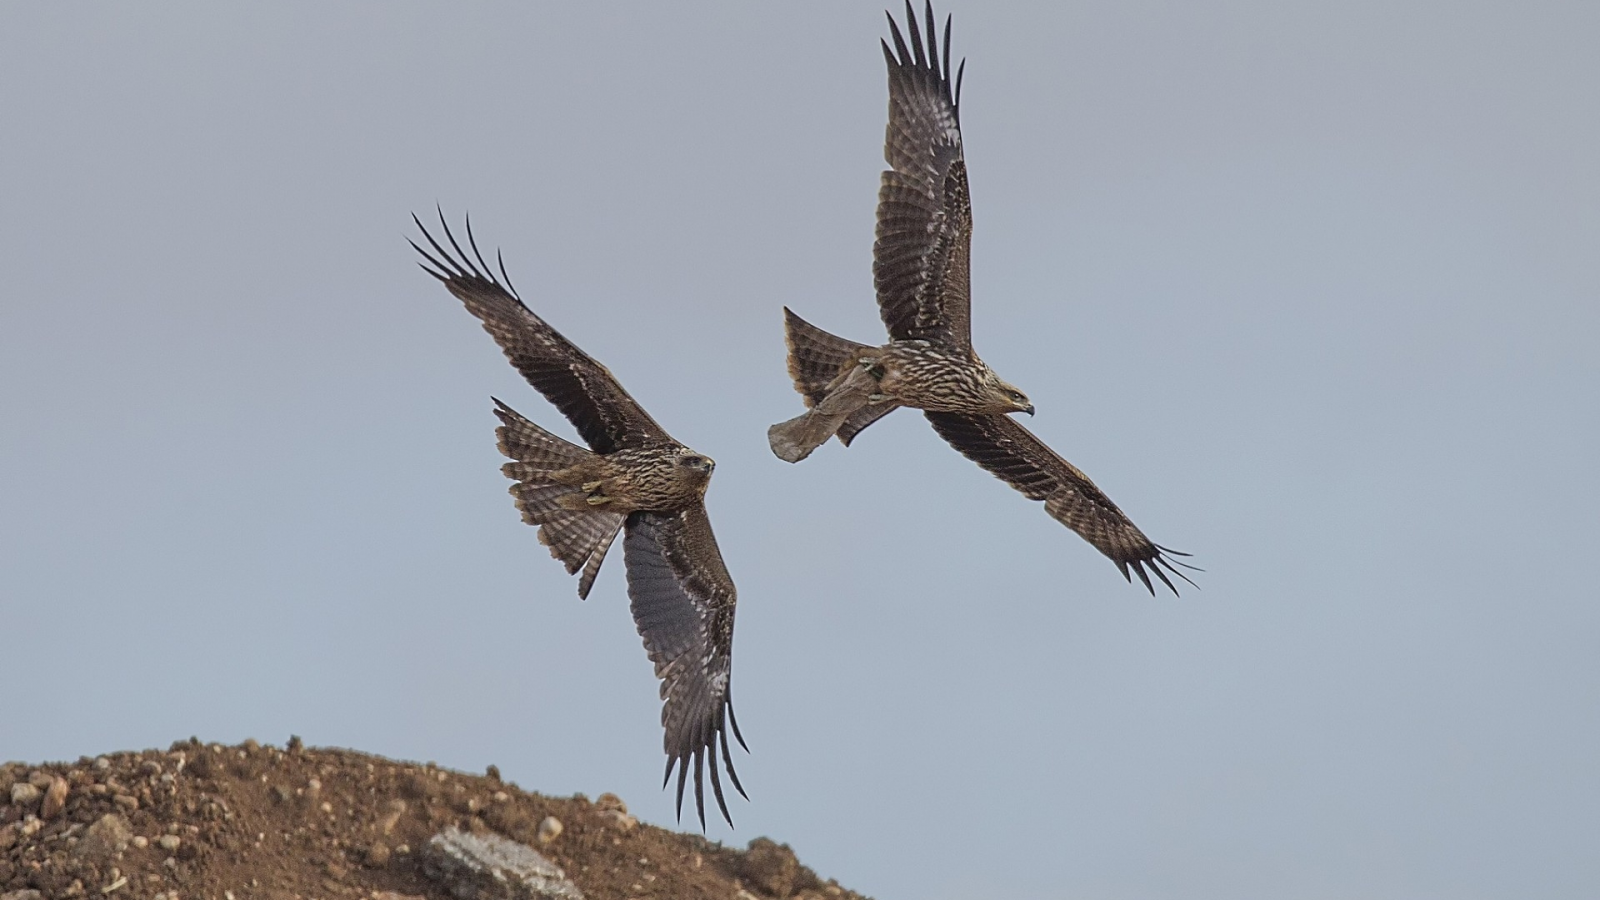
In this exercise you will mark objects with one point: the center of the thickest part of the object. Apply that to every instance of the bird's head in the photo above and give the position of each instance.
(697, 465)
(1006, 398)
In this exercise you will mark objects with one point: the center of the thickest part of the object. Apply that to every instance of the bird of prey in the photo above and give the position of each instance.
(634, 478)
(920, 270)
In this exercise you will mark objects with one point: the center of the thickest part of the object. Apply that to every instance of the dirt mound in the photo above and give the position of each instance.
(254, 821)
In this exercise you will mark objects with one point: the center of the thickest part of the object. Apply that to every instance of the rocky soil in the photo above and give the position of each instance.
(256, 821)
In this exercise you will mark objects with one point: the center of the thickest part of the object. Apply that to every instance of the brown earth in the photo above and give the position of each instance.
(254, 821)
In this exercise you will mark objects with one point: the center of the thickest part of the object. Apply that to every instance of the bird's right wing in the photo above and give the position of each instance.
(920, 262)
(683, 600)
(584, 390)
(1012, 453)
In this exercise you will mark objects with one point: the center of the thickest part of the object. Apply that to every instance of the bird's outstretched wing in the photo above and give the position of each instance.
(920, 259)
(583, 389)
(683, 601)
(1011, 453)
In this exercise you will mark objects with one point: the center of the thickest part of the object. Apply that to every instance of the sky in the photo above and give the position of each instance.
(1311, 290)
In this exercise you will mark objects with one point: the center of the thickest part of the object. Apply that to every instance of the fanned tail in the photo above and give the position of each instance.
(576, 536)
(816, 357)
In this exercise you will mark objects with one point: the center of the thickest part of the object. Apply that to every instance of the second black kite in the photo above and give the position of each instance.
(921, 271)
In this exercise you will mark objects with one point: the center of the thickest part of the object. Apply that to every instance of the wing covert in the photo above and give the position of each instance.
(584, 390)
(1013, 454)
(683, 603)
(921, 257)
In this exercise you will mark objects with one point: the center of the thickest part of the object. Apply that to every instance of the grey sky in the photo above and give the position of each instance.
(1310, 289)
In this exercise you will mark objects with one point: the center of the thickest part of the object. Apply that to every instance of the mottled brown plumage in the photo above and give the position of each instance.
(634, 478)
(921, 272)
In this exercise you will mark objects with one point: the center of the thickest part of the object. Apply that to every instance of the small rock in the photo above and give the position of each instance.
(549, 829)
(140, 842)
(105, 837)
(378, 855)
(397, 808)
(8, 837)
(493, 772)
(771, 867)
(55, 799)
(618, 819)
(170, 842)
(40, 779)
(30, 826)
(101, 763)
(609, 800)
(126, 802)
(22, 895)
(491, 867)
(24, 793)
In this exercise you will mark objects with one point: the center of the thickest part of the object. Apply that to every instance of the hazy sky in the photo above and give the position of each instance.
(1312, 290)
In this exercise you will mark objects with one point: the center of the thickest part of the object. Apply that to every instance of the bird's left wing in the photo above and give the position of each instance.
(683, 601)
(1012, 454)
(584, 390)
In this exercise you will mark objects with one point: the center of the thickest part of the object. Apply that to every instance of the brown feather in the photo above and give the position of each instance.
(584, 390)
(1014, 455)
(580, 538)
(924, 232)
(683, 604)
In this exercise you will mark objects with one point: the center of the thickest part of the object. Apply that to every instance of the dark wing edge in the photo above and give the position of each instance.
(924, 233)
(584, 390)
(683, 603)
(1014, 455)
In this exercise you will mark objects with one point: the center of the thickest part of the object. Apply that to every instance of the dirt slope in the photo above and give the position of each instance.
(253, 821)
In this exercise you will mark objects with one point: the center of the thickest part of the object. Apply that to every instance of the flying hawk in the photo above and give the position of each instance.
(920, 270)
(636, 480)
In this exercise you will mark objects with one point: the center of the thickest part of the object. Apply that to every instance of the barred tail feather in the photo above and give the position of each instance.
(536, 449)
(816, 357)
(577, 537)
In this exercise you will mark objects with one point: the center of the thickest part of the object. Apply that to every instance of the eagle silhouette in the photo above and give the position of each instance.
(635, 479)
(921, 272)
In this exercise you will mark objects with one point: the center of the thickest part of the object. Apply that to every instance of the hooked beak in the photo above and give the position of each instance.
(1029, 410)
